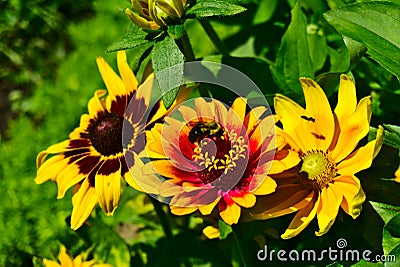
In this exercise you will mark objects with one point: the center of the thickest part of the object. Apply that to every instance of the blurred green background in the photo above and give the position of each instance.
(47, 75)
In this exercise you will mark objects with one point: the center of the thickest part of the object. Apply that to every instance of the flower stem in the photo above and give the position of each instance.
(163, 218)
(238, 235)
(187, 49)
(212, 34)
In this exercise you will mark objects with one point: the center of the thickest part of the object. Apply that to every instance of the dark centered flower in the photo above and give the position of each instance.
(105, 146)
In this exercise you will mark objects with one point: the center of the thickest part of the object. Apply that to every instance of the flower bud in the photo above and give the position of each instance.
(153, 14)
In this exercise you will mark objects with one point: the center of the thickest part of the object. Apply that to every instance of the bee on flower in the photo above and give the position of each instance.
(216, 158)
(327, 144)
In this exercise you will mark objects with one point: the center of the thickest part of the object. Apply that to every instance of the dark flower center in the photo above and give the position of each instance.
(223, 159)
(105, 133)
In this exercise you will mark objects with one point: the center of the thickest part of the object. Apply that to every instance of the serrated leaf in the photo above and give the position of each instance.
(132, 39)
(376, 25)
(208, 8)
(391, 259)
(391, 234)
(168, 68)
(293, 60)
(224, 229)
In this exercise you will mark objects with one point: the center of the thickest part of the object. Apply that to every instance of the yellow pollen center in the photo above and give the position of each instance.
(219, 155)
(317, 169)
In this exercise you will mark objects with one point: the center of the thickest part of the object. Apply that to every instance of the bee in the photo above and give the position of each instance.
(308, 118)
(205, 130)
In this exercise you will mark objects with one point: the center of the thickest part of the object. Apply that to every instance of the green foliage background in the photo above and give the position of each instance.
(48, 73)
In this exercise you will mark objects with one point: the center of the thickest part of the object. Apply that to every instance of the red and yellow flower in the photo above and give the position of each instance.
(105, 146)
(215, 158)
(328, 145)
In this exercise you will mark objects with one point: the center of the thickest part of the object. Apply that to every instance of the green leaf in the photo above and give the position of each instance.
(265, 11)
(224, 229)
(391, 234)
(176, 31)
(134, 38)
(110, 247)
(208, 8)
(168, 68)
(391, 260)
(387, 212)
(293, 60)
(318, 50)
(374, 24)
(392, 137)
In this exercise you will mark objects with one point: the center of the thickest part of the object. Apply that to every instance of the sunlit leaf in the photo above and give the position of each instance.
(293, 60)
(376, 25)
(134, 38)
(168, 67)
(210, 8)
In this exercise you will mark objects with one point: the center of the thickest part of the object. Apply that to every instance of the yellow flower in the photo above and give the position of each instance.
(105, 146)
(67, 261)
(153, 14)
(397, 175)
(327, 144)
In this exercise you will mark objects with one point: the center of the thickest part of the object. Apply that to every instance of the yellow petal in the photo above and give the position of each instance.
(78, 261)
(379, 140)
(290, 113)
(148, 183)
(128, 78)
(141, 22)
(208, 208)
(211, 232)
(69, 176)
(231, 214)
(154, 148)
(95, 104)
(64, 258)
(347, 99)
(352, 129)
(286, 200)
(359, 160)
(284, 159)
(397, 175)
(177, 210)
(112, 81)
(51, 168)
(328, 209)
(50, 263)
(263, 185)
(253, 118)
(239, 106)
(318, 107)
(302, 218)
(108, 189)
(83, 201)
(353, 194)
(247, 200)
